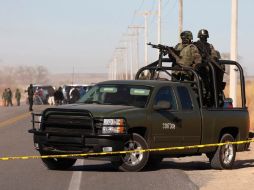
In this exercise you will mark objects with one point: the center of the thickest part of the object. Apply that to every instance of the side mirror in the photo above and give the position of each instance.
(162, 105)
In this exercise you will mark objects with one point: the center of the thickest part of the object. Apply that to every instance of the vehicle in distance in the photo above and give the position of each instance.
(68, 88)
(142, 114)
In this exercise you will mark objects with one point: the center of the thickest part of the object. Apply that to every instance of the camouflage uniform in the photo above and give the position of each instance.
(207, 51)
(30, 93)
(189, 55)
(4, 97)
(18, 96)
(9, 97)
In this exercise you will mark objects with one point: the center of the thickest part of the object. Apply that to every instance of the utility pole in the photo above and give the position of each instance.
(123, 49)
(131, 53)
(72, 74)
(159, 22)
(234, 51)
(136, 28)
(145, 14)
(180, 18)
(115, 68)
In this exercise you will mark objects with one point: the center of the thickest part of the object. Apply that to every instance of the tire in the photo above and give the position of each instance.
(224, 156)
(133, 162)
(58, 163)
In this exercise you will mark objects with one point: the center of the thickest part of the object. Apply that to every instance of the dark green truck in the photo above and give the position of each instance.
(141, 114)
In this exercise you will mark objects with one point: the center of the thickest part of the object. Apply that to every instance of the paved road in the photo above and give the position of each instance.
(86, 174)
(185, 173)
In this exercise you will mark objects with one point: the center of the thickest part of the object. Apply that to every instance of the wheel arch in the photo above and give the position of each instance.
(141, 130)
(233, 130)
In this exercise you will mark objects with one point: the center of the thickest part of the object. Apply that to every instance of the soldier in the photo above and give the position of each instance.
(189, 54)
(4, 97)
(30, 93)
(206, 50)
(9, 97)
(74, 95)
(18, 96)
(58, 96)
(209, 54)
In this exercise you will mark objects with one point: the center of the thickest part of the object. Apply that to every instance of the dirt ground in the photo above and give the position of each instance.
(240, 177)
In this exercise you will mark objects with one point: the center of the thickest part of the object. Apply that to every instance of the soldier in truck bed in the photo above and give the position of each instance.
(209, 54)
(206, 50)
(188, 56)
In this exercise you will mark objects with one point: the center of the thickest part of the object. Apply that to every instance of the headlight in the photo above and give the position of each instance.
(111, 126)
(36, 121)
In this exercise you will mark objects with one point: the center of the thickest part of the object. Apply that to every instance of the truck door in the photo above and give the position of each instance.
(181, 124)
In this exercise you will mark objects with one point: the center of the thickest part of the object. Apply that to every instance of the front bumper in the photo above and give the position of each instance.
(78, 144)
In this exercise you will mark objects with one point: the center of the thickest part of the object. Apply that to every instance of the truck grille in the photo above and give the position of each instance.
(66, 123)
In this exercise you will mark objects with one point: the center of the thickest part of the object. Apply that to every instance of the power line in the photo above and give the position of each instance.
(134, 13)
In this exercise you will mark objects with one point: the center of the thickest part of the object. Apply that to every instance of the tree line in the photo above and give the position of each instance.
(11, 76)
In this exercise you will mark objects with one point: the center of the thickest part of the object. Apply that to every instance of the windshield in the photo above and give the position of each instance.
(130, 95)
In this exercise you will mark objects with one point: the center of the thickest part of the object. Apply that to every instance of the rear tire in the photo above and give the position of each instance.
(136, 161)
(224, 156)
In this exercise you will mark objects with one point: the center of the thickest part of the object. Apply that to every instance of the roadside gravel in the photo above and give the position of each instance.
(200, 173)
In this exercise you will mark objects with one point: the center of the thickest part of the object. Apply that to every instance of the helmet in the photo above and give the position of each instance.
(187, 35)
(203, 32)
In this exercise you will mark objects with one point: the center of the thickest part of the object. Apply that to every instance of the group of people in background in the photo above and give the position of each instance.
(7, 97)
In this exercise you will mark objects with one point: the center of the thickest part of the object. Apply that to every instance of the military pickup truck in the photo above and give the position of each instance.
(139, 114)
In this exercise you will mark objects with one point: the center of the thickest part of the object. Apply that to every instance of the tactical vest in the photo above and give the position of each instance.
(188, 55)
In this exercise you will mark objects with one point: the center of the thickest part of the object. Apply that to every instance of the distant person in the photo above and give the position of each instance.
(58, 96)
(9, 97)
(30, 93)
(4, 97)
(74, 95)
(18, 96)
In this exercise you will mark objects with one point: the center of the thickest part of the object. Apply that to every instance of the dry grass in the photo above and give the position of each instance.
(250, 101)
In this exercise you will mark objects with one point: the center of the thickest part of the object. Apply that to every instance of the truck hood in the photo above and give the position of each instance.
(99, 110)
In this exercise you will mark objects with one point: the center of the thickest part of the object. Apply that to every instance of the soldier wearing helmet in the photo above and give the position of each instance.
(207, 51)
(189, 54)
(209, 54)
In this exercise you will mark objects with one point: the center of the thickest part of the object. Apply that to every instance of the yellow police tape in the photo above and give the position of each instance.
(122, 152)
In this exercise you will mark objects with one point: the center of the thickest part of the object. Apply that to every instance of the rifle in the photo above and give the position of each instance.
(166, 50)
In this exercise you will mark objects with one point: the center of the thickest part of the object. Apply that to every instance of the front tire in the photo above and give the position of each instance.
(224, 156)
(136, 161)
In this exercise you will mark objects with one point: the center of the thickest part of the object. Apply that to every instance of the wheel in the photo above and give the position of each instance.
(224, 156)
(58, 163)
(135, 161)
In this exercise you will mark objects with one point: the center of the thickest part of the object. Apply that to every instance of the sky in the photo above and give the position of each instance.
(83, 34)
